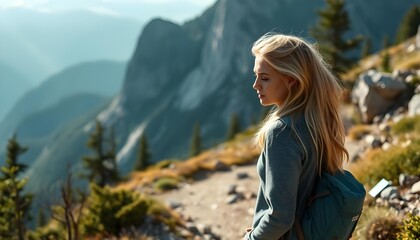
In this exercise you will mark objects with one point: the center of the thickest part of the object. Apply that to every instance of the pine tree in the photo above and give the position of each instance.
(41, 220)
(409, 25)
(14, 204)
(111, 160)
(143, 154)
(386, 59)
(196, 141)
(329, 32)
(102, 167)
(385, 42)
(385, 63)
(367, 48)
(233, 127)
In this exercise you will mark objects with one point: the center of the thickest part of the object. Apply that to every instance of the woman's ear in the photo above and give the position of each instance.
(291, 81)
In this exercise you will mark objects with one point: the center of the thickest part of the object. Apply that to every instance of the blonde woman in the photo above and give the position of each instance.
(300, 137)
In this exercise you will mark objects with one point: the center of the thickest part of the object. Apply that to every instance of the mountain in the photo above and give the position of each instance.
(198, 72)
(40, 129)
(43, 43)
(100, 77)
(204, 74)
(12, 87)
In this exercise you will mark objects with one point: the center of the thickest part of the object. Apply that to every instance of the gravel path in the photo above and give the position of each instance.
(206, 201)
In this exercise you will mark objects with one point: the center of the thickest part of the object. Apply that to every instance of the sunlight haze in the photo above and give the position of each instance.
(142, 10)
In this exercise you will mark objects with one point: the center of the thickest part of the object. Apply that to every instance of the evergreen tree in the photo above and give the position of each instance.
(143, 154)
(386, 59)
(196, 141)
(41, 220)
(233, 127)
(14, 205)
(329, 32)
(102, 167)
(367, 48)
(409, 25)
(385, 63)
(385, 42)
(111, 161)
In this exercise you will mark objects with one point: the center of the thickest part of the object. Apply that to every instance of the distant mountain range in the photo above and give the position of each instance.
(198, 72)
(103, 78)
(39, 44)
(12, 86)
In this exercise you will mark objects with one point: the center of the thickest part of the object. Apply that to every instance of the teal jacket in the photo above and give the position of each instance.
(286, 175)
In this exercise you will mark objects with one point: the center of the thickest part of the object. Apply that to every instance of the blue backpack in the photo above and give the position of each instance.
(334, 209)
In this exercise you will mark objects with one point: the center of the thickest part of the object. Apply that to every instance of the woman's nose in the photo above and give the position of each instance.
(256, 84)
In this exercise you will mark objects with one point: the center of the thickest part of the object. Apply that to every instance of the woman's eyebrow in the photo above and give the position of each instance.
(262, 73)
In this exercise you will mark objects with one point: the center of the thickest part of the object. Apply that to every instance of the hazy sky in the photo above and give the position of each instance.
(142, 10)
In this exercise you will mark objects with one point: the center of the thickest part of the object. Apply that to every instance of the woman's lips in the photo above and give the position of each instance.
(260, 96)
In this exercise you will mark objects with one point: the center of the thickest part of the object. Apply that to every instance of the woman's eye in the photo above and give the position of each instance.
(264, 78)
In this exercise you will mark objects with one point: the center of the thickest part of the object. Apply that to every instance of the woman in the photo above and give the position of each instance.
(300, 137)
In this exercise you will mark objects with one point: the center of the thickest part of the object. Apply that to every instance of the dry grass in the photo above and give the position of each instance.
(372, 216)
(358, 131)
(400, 60)
(235, 152)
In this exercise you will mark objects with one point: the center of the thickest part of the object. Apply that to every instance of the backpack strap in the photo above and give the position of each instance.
(298, 229)
(312, 198)
(309, 201)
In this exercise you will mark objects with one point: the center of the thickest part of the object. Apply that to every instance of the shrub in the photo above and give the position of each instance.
(388, 164)
(406, 125)
(377, 223)
(358, 131)
(383, 228)
(410, 228)
(166, 183)
(46, 233)
(110, 212)
(165, 163)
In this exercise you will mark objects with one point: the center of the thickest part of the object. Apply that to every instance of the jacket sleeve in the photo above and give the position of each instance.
(283, 166)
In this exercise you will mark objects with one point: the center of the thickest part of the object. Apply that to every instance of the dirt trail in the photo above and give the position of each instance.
(205, 201)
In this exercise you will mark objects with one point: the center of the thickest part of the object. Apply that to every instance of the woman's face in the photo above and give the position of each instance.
(270, 84)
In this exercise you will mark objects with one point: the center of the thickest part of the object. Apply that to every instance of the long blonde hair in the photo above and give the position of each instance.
(316, 94)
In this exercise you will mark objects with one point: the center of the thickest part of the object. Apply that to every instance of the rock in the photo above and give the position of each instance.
(390, 192)
(185, 234)
(409, 197)
(402, 74)
(204, 228)
(414, 105)
(220, 166)
(373, 141)
(242, 175)
(407, 180)
(174, 204)
(384, 127)
(415, 188)
(231, 189)
(193, 228)
(417, 90)
(250, 195)
(234, 198)
(375, 93)
(386, 146)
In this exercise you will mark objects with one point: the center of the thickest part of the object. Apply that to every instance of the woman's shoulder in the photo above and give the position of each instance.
(281, 125)
(288, 124)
